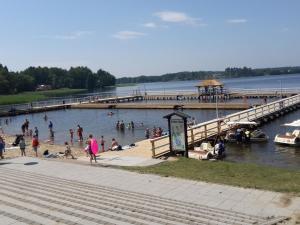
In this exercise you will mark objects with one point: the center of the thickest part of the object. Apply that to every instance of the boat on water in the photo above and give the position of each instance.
(289, 138)
(244, 132)
(207, 152)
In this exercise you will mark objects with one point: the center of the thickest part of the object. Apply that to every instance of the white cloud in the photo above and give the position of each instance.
(237, 21)
(126, 34)
(178, 17)
(71, 36)
(150, 25)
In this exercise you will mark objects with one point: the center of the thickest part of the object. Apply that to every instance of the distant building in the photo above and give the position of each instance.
(43, 87)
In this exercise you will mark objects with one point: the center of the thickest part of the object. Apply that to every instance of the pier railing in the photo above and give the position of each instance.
(64, 101)
(277, 91)
(208, 129)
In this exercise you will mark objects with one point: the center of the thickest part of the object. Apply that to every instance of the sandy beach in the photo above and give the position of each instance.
(142, 149)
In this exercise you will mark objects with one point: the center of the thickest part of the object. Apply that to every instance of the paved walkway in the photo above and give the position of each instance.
(122, 160)
(35, 191)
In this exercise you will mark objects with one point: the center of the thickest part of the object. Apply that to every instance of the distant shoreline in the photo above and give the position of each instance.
(202, 75)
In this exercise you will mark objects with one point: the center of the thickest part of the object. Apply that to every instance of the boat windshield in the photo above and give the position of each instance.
(295, 123)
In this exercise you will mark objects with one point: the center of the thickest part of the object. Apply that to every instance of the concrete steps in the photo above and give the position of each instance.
(30, 198)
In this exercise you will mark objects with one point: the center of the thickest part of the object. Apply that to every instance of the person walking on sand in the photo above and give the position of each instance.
(102, 142)
(68, 151)
(93, 148)
(35, 145)
(22, 146)
(2, 147)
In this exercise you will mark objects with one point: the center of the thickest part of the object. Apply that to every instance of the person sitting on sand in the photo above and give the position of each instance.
(115, 145)
(68, 151)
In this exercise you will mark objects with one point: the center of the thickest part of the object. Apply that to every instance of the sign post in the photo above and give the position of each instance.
(178, 139)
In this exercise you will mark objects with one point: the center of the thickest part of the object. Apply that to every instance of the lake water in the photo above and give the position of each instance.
(97, 122)
(278, 81)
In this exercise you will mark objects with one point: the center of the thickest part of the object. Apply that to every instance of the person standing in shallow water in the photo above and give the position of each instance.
(36, 132)
(102, 142)
(71, 135)
(79, 133)
(50, 126)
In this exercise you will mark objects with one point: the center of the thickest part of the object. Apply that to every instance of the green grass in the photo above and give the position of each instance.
(37, 95)
(235, 174)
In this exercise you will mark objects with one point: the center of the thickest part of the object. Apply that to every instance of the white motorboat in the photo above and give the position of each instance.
(289, 138)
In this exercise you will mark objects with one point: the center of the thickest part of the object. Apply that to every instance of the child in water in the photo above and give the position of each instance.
(71, 135)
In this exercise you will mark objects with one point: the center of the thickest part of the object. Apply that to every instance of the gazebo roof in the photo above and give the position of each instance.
(210, 83)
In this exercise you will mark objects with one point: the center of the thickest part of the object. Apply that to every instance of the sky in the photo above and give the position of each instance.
(149, 37)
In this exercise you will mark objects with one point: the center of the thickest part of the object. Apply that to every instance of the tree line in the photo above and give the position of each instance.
(76, 77)
(230, 72)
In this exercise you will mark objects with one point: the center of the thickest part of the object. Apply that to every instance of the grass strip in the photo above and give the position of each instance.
(26, 97)
(229, 173)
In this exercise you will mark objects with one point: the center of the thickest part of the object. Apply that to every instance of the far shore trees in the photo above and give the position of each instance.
(75, 78)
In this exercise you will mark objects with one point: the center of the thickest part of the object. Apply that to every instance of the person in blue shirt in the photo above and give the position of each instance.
(50, 125)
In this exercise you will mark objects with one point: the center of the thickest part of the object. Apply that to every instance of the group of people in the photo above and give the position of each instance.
(242, 135)
(79, 133)
(156, 132)
(120, 125)
(35, 143)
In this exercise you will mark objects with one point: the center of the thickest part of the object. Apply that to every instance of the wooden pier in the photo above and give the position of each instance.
(203, 131)
(59, 104)
(195, 105)
(186, 99)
